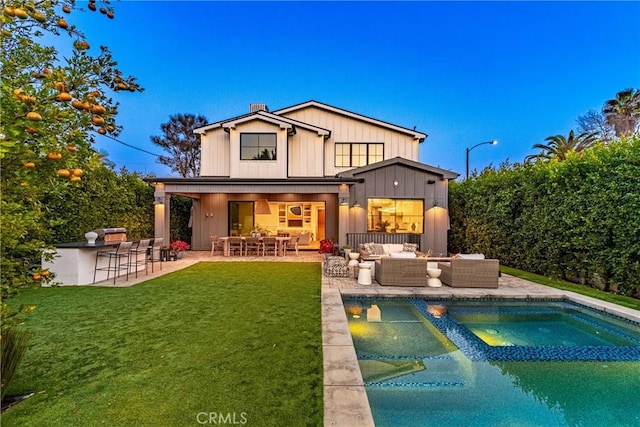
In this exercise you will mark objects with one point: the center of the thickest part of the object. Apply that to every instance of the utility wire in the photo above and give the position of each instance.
(132, 146)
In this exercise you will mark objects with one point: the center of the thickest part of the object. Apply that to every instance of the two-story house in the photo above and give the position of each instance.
(312, 168)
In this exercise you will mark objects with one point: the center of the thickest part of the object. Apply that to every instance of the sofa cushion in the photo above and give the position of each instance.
(392, 247)
(470, 256)
(402, 254)
(409, 247)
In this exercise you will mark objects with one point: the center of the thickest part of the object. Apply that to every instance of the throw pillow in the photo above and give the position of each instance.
(378, 249)
(368, 247)
(409, 247)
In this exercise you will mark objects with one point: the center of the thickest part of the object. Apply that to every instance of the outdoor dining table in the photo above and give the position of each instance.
(281, 243)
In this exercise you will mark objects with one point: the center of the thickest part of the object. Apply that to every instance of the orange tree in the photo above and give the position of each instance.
(51, 108)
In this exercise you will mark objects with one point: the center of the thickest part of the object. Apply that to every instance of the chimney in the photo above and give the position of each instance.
(258, 107)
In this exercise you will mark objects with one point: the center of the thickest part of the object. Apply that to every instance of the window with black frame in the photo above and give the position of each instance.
(258, 146)
(358, 154)
(395, 215)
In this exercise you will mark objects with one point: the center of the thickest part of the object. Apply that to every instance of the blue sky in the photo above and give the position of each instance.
(462, 72)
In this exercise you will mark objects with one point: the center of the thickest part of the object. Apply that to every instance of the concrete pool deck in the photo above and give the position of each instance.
(345, 397)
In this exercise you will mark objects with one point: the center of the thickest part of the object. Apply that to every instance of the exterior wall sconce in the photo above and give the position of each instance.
(431, 181)
(356, 204)
(344, 201)
(158, 200)
(395, 183)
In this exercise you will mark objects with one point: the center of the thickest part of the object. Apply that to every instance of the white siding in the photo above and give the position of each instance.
(215, 153)
(348, 129)
(274, 169)
(306, 155)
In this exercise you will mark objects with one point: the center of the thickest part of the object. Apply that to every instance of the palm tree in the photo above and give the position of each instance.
(558, 146)
(623, 112)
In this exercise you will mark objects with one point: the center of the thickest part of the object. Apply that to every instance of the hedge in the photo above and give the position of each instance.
(577, 219)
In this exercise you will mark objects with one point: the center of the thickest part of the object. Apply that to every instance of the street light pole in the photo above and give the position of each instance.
(493, 142)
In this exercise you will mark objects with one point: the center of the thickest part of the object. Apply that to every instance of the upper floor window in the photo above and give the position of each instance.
(358, 154)
(258, 146)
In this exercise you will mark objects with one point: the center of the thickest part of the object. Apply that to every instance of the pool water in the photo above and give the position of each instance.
(464, 363)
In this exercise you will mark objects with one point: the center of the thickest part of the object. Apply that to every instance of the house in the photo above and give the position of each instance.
(311, 169)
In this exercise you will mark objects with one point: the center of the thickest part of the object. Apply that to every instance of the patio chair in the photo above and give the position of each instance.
(269, 244)
(252, 244)
(470, 273)
(216, 245)
(234, 243)
(292, 243)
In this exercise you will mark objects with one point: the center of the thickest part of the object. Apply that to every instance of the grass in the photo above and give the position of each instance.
(236, 340)
(579, 289)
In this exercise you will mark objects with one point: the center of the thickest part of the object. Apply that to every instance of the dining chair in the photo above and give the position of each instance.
(235, 244)
(252, 244)
(269, 244)
(216, 245)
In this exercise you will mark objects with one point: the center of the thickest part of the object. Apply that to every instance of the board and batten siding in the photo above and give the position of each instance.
(214, 156)
(306, 155)
(412, 184)
(347, 129)
(258, 168)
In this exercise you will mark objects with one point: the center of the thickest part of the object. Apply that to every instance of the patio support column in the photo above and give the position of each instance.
(161, 211)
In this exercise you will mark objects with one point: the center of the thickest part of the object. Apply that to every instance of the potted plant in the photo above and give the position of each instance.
(178, 246)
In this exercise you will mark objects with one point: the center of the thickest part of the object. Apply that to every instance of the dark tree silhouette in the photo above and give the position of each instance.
(181, 144)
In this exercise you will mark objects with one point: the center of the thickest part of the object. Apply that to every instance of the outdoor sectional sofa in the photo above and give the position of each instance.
(401, 271)
(470, 273)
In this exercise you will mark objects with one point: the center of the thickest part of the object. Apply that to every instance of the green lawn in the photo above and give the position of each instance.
(227, 339)
(579, 289)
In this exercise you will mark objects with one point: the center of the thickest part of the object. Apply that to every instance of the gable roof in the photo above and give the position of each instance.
(444, 173)
(277, 117)
(418, 135)
(283, 122)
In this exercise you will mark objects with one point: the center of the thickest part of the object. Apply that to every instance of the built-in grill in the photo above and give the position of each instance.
(112, 235)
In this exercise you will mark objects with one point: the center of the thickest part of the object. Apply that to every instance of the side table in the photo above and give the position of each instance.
(364, 273)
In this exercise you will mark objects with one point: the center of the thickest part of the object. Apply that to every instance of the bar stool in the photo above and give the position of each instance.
(120, 257)
(141, 248)
(156, 252)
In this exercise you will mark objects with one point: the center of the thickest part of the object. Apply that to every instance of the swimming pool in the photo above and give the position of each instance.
(483, 362)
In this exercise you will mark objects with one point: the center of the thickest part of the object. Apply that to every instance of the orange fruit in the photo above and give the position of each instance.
(36, 276)
(54, 156)
(66, 9)
(77, 172)
(98, 109)
(92, 6)
(39, 17)
(72, 148)
(77, 104)
(97, 120)
(20, 13)
(59, 86)
(63, 24)
(9, 11)
(75, 178)
(102, 131)
(45, 273)
(110, 14)
(31, 130)
(64, 97)
(64, 173)
(29, 165)
(32, 115)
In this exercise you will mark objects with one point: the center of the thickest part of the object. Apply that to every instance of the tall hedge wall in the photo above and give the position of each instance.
(578, 219)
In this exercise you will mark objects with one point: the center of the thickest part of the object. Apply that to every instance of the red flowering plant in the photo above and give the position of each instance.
(179, 245)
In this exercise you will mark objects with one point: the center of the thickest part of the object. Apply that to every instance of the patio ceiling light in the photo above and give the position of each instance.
(262, 207)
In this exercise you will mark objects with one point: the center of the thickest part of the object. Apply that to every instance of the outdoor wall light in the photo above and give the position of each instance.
(158, 200)
(356, 204)
(431, 181)
(344, 201)
(395, 183)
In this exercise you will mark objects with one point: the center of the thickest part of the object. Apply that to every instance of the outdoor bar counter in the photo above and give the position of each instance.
(74, 263)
